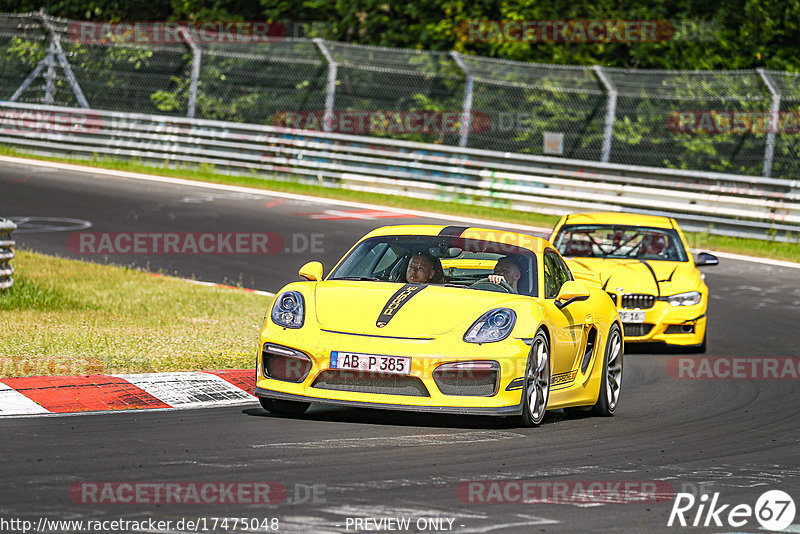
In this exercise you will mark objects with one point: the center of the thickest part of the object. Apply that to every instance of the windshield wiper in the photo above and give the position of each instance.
(361, 278)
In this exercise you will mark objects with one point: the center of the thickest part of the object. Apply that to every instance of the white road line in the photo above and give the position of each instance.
(264, 192)
(214, 284)
(322, 200)
(752, 259)
(417, 440)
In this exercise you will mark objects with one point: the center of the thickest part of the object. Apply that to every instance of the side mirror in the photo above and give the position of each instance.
(311, 271)
(571, 292)
(706, 259)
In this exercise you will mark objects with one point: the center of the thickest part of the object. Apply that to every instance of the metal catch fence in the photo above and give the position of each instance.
(736, 122)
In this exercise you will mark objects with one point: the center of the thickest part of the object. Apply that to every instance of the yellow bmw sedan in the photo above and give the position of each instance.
(644, 264)
(445, 319)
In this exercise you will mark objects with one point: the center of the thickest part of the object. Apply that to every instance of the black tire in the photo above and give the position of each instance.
(536, 391)
(284, 407)
(608, 396)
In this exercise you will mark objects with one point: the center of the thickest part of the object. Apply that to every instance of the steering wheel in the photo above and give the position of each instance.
(398, 272)
(484, 283)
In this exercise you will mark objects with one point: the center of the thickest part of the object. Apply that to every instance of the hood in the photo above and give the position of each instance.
(351, 306)
(634, 276)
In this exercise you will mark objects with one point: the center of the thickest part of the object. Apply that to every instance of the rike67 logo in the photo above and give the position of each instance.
(774, 510)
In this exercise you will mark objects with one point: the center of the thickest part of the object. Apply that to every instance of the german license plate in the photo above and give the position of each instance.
(375, 363)
(631, 316)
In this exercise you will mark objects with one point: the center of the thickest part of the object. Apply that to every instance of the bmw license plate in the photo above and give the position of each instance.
(631, 316)
(375, 363)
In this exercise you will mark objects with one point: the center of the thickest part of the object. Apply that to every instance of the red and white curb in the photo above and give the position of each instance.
(38, 395)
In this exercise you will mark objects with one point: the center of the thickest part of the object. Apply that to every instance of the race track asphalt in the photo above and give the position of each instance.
(735, 437)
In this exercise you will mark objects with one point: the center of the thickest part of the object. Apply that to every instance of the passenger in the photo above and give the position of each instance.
(506, 270)
(424, 269)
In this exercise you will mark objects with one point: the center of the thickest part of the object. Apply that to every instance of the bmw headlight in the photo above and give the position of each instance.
(494, 325)
(690, 298)
(289, 310)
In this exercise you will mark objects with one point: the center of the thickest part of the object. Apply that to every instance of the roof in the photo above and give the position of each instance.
(619, 218)
(506, 237)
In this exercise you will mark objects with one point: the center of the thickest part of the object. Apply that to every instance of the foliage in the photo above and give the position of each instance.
(260, 83)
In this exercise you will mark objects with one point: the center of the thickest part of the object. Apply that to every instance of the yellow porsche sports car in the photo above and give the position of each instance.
(644, 264)
(443, 319)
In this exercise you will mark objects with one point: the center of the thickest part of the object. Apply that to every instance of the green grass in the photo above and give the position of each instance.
(751, 247)
(66, 317)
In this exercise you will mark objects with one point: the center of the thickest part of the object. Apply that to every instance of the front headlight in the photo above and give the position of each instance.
(690, 298)
(289, 310)
(494, 325)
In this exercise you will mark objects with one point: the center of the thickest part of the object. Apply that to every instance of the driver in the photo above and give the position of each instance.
(506, 270)
(653, 245)
(424, 269)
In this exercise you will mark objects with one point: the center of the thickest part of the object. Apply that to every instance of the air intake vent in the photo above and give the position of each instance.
(638, 301)
(587, 353)
(636, 329)
(283, 363)
(478, 379)
(385, 384)
(680, 329)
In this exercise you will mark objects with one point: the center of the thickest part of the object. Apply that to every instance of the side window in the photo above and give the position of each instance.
(549, 277)
(388, 260)
(555, 274)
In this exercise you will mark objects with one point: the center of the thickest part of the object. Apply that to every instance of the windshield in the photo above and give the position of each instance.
(615, 241)
(446, 260)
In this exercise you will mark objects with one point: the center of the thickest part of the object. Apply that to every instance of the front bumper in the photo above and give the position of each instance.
(426, 355)
(674, 325)
(473, 410)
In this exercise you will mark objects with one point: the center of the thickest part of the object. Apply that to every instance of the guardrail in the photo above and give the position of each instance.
(725, 204)
(6, 253)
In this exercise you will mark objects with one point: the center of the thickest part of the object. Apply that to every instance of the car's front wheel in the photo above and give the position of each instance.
(537, 381)
(284, 407)
(608, 397)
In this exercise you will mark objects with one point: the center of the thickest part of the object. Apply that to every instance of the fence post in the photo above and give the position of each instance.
(611, 112)
(6, 253)
(466, 108)
(49, 75)
(330, 90)
(55, 51)
(774, 111)
(195, 77)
